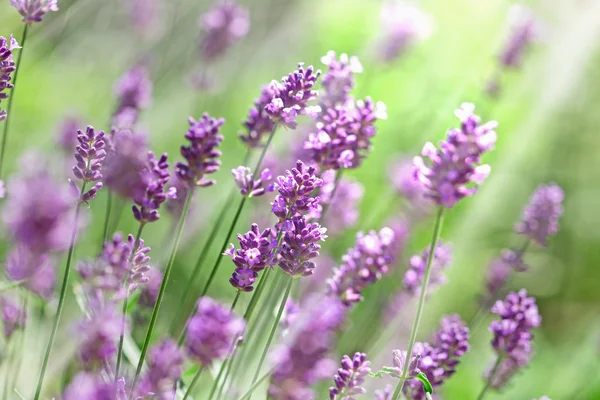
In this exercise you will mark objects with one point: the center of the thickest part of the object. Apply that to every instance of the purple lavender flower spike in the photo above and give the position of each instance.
(89, 155)
(14, 316)
(258, 123)
(134, 92)
(252, 187)
(92, 386)
(540, 217)
(243, 279)
(500, 269)
(211, 331)
(125, 164)
(7, 67)
(100, 335)
(400, 360)
(254, 255)
(295, 190)
(34, 10)
(343, 209)
(37, 270)
(202, 153)
(413, 277)
(303, 361)
(156, 177)
(350, 377)
(339, 80)
(300, 244)
(524, 29)
(362, 266)
(224, 25)
(453, 168)
(165, 366)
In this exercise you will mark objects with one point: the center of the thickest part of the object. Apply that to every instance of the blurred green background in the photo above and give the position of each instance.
(548, 113)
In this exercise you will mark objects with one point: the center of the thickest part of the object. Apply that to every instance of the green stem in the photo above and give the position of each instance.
(163, 287)
(235, 300)
(12, 97)
(256, 384)
(490, 378)
(437, 230)
(125, 302)
(20, 346)
(107, 215)
(61, 299)
(273, 328)
(194, 381)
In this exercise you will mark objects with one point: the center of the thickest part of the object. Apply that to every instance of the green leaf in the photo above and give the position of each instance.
(426, 384)
(385, 371)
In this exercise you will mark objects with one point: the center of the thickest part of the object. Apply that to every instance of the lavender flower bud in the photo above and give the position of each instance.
(540, 217)
(156, 176)
(165, 366)
(211, 331)
(339, 80)
(413, 278)
(134, 93)
(89, 157)
(37, 270)
(125, 164)
(224, 25)
(362, 266)
(295, 190)
(258, 123)
(255, 249)
(100, 334)
(14, 316)
(34, 10)
(400, 360)
(350, 377)
(299, 246)
(243, 279)
(248, 185)
(7, 67)
(453, 168)
(202, 154)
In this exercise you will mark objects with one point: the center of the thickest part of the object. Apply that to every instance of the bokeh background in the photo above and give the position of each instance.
(548, 113)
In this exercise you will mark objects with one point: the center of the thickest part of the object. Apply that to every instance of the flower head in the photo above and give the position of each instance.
(400, 359)
(211, 331)
(156, 176)
(413, 278)
(89, 155)
(93, 386)
(295, 189)
(14, 316)
(254, 255)
(134, 93)
(34, 10)
(165, 365)
(248, 185)
(67, 133)
(100, 334)
(540, 217)
(350, 377)
(453, 168)
(36, 269)
(125, 163)
(339, 80)
(258, 123)
(300, 244)
(223, 25)
(524, 29)
(202, 153)
(500, 269)
(7, 67)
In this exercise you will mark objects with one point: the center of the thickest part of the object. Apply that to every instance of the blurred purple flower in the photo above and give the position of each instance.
(175, 204)
(339, 80)
(14, 316)
(68, 132)
(92, 386)
(100, 333)
(362, 266)
(290, 314)
(2, 189)
(500, 269)
(343, 209)
(134, 93)
(524, 29)
(413, 278)
(165, 366)
(299, 246)
(34, 10)
(7, 67)
(144, 15)
(258, 123)
(149, 291)
(453, 168)
(37, 270)
(248, 185)
(350, 377)
(385, 394)
(156, 176)
(295, 189)
(211, 331)
(402, 176)
(540, 217)
(89, 156)
(223, 25)
(202, 153)
(125, 162)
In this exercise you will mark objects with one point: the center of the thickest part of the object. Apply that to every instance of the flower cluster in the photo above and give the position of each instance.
(540, 217)
(453, 168)
(87, 385)
(156, 176)
(36, 270)
(67, 133)
(202, 153)
(413, 278)
(224, 25)
(339, 80)
(100, 334)
(165, 366)
(211, 331)
(134, 92)
(512, 333)
(254, 255)
(300, 244)
(350, 377)
(34, 10)
(7, 67)
(362, 266)
(14, 316)
(90, 155)
(295, 189)
(344, 133)
(524, 29)
(402, 176)
(248, 185)
(258, 123)
(125, 163)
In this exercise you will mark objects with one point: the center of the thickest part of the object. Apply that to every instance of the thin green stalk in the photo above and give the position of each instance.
(235, 300)
(11, 349)
(20, 345)
(194, 381)
(273, 328)
(256, 384)
(225, 364)
(490, 378)
(163, 287)
(61, 299)
(437, 230)
(12, 97)
(107, 216)
(125, 303)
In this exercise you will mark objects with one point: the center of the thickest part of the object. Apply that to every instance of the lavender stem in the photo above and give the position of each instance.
(421, 305)
(107, 216)
(488, 383)
(193, 383)
(256, 384)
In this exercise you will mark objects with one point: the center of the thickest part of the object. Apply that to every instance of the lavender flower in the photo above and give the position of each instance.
(243, 279)
(344, 133)
(350, 377)
(402, 176)
(343, 210)
(302, 362)
(501, 268)
(7, 67)
(507, 368)
(540, 217)
(258, 122)
(90, 155)
(68, 131)
(454, 167)
(134, 93)
(202, 153)
(92, 386)
(254, 255)
(291, 96)
(413, 278)
(362, 266)
(144, 15)
(100, 334)
(125, 164)
(400, 359)
(156, 177)
(248, 185)
(149, 291)
(165, 365)
(37, 270)
(211, 331)
(339, 79)
(224, 25)
(524, 29)
(34, 10)
(14, 316)
(295, 190)
(299, 246)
